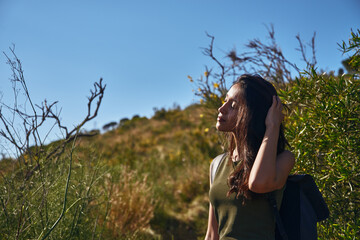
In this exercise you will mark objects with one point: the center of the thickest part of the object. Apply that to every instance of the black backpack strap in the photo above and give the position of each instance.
(279, 223)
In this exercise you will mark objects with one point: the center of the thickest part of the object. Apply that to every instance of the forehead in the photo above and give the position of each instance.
(233, 92)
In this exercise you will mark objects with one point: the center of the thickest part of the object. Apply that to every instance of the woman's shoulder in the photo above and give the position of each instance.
(215, 165)
(285, 161)
(286, 154)
(218, 159)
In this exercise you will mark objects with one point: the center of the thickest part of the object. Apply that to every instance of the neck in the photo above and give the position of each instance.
(234, 155)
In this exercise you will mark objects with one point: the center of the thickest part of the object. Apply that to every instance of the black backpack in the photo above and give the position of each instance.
(301, 208)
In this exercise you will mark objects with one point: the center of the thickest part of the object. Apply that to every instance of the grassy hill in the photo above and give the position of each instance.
(144, 179)
(171, 153)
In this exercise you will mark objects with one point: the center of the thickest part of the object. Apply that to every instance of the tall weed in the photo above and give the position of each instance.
(131, 204)
(55, 202)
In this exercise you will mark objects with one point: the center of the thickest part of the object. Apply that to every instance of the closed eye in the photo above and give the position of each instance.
(233, 104)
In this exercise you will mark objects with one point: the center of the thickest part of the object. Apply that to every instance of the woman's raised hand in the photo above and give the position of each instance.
(274, 116)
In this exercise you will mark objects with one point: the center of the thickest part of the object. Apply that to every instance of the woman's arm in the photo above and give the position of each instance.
(270, 171)
(212, 229)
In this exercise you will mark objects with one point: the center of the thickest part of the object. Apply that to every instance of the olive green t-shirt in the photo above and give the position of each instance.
(252, 220)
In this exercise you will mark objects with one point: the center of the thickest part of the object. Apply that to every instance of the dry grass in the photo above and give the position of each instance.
(132, 206)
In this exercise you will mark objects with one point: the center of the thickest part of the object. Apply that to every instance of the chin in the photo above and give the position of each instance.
(220, 128)
(224, 128)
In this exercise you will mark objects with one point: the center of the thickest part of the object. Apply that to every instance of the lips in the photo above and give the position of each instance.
(220, 119)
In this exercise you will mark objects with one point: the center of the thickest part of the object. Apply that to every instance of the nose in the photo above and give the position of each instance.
(221, 108)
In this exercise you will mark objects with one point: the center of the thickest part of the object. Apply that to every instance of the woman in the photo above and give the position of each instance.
(256, 162)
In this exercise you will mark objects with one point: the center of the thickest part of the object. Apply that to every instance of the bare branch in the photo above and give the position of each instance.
(27, 140)
(302, 50)
(260, 57)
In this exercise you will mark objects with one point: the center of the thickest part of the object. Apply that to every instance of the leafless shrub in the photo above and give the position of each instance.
(22, 127)
(260, 57)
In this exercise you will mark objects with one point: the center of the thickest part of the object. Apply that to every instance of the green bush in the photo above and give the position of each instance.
(352, 64)
(323, 129)
(60, 200)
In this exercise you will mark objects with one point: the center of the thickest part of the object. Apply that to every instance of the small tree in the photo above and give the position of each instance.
(110, 125)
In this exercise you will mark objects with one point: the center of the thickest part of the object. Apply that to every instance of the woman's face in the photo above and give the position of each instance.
(228, 112)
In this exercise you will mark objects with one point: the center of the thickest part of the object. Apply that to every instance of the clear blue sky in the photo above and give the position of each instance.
(145, 49)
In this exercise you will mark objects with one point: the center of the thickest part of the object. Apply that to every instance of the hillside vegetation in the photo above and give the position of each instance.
(146, 178)
(170, 155)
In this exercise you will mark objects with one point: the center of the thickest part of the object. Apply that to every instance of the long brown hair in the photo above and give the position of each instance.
(255, 99)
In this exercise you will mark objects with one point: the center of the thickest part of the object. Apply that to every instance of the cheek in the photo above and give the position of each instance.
(233, 118)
